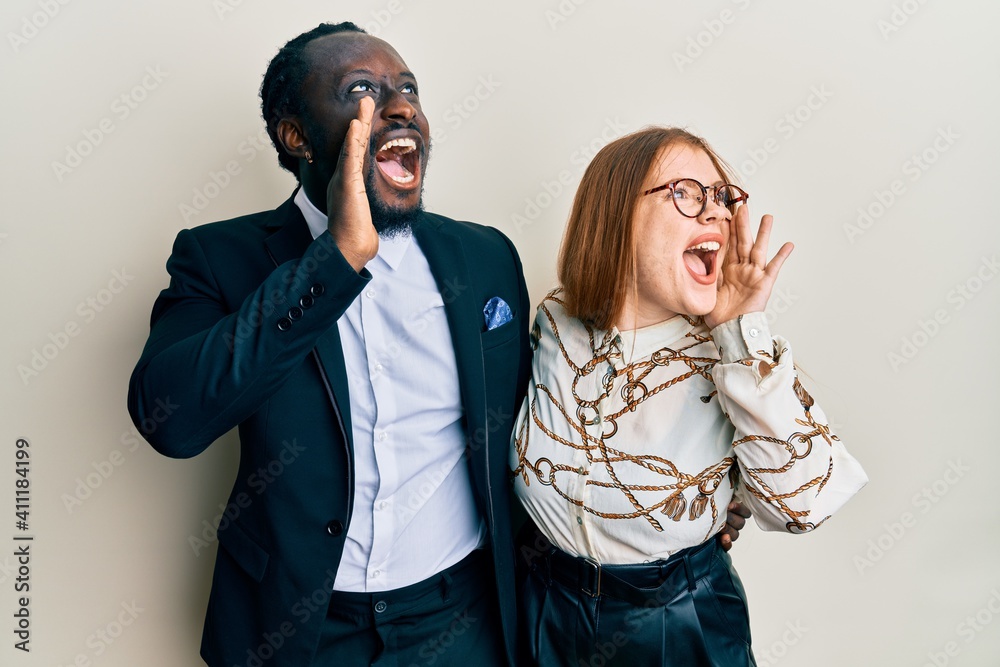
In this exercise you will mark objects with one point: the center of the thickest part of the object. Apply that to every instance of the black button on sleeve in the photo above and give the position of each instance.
(306, 301)
(294, 313)
(335, 528)
(284, 324)
(317, 290)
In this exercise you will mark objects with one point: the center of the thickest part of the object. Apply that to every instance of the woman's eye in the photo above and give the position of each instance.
(361, 87)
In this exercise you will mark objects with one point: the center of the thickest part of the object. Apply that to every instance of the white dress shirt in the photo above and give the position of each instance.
(630, 444)
(414, 510)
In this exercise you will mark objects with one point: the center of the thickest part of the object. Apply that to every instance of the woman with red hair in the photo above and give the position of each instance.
(658, 394)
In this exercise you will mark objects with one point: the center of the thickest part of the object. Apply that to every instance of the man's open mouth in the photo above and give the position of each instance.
(399, 160)
(701, 260)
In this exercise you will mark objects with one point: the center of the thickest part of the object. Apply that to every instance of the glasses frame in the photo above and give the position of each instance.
(744, 195)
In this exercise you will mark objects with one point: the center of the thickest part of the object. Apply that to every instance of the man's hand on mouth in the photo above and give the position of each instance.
(350, 218)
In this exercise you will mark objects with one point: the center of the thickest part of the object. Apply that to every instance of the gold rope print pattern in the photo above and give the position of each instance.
(635, 389)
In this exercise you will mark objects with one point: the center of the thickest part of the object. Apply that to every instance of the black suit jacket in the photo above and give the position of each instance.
(245, 335)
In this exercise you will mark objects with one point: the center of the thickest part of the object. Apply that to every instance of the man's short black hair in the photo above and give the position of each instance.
(281, 90)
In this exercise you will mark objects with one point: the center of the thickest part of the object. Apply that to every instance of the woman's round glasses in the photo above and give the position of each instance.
(690, 196)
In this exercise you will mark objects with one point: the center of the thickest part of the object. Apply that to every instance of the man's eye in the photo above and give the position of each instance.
(362, 87)
(409, 89)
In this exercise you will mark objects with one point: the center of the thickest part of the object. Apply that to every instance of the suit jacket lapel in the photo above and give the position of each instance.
(288, 243)
(449, 265)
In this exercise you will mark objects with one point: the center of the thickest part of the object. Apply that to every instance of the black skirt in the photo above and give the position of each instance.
(687, 611)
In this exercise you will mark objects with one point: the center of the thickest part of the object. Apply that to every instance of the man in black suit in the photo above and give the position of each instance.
(373, 520)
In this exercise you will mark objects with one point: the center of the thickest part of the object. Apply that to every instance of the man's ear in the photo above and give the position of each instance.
(292, 137)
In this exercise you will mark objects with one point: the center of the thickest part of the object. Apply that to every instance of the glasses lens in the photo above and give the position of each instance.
(689, 197)
(729, 196)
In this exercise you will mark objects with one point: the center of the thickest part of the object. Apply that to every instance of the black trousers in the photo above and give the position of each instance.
(450, 619)
(687, 611)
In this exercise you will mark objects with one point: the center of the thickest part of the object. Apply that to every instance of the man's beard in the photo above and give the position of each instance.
(390, 221)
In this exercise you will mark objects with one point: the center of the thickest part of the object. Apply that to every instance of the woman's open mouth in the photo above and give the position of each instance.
(399, 161)
(702, 260)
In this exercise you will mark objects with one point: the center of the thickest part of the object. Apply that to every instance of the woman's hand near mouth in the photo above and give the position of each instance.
(747, 277)
(350, 218)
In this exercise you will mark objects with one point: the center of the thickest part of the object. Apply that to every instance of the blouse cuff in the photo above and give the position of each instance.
(745, 337)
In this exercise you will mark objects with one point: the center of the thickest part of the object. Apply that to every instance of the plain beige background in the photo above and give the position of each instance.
(826, 108)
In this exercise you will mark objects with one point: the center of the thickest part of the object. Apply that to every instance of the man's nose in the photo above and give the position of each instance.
(395, 106)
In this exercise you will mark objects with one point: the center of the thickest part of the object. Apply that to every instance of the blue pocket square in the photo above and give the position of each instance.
(496, 313)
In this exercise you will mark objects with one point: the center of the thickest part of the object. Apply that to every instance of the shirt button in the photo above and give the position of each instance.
(382, 505)
(378, 368)
(753, 333)
(579, 520)
(581, 470)
(383, 435)
(380, 606)
(376, 573)
(370, 294)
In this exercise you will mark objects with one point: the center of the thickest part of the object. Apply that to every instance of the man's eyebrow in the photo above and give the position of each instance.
(353, 72)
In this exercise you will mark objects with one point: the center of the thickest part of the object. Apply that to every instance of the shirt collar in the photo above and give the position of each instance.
(639, 343)
(390, 250)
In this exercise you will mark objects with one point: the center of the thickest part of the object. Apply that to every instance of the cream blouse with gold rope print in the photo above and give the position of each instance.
(630, 443)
